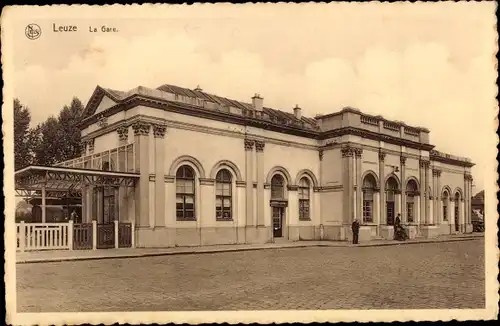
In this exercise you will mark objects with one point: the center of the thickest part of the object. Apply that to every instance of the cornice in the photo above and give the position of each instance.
(171, 106)
(187, 109)
(451, 161)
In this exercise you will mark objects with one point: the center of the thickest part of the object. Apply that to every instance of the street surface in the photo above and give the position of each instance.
(443, 275)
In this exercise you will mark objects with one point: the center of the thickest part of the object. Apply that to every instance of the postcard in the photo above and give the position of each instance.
(250, 163)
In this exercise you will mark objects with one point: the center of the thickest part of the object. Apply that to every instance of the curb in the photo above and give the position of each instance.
(212, 251)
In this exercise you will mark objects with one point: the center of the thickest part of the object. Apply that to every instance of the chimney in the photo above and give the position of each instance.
(297, 112)
(257, 102)
(198, 89)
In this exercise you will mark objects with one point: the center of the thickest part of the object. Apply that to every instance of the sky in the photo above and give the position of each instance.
(431, 65)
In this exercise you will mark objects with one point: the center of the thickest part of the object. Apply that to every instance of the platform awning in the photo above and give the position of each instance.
(30, 181)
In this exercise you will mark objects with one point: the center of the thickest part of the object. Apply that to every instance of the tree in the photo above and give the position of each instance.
(58, 139)
(68, 120)
(22, 145)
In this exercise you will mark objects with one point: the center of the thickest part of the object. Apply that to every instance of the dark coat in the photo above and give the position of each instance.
(398, 221)
(355, 226)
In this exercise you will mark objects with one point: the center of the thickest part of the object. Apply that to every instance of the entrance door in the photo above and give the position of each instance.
(390, 212)
(278, 222)
(457, 221)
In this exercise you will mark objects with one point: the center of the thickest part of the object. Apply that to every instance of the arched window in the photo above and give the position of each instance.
(304, 199)
(446, 198)
(369, 185)
(223, 195)
(390, 195)
(277, 187)
(185, 193)
(411, 193)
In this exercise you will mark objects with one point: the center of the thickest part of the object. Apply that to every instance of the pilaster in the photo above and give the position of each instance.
(249, 146)
(141, 140)
(437, 196)
(259, 148)
(358, 153)
(428, 194)
(159, 136)
(381, 173)
(402, 161)
(348, 174)
(122, 135)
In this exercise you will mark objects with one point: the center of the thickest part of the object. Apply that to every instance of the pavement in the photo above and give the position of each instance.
(67, 255)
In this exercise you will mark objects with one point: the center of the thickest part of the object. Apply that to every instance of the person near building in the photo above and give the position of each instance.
(399, 232)
(355, 231)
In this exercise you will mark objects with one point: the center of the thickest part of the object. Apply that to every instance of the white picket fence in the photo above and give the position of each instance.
(59, 236)
(44, 236)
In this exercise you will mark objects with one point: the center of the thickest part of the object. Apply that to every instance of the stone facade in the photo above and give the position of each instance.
(313, 175)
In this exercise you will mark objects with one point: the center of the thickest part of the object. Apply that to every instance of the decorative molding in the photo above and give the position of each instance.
(293, 188)
(122, 133)
(90, 145)
(402, 159)
(141, 128)
(241, 184)
(259, 146)
(249, 144)
(328, 188)
(83, 147)
(102, 122)
(152, 177)
(424, 163)
(381, 155)
(347, 151)
(159, 131)
(320, 152)
(358, 152)
(436, 173)
(206, 181)
(169, 179)
(267, 186)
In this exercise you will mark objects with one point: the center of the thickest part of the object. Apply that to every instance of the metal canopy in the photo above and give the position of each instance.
(30, 181)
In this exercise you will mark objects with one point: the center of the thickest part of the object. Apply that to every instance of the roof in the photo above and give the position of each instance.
(274, 114)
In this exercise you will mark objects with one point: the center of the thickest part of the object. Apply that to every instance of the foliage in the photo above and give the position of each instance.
(58, 139)
(22, 146)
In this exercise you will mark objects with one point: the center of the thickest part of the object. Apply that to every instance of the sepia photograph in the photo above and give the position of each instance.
(263, 163)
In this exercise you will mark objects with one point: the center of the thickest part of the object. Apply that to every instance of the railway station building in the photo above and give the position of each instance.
(189, 168)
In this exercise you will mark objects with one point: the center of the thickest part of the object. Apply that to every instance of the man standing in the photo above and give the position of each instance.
(355, 231)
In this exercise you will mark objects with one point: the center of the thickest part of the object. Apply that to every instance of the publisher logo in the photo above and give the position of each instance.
(33, 31)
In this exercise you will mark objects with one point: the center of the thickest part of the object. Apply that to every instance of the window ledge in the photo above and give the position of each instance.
(224, 220)
(305, 219)
(185, 219)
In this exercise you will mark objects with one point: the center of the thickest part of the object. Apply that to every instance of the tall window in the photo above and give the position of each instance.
(446, 198)
(369, 185)
(223, 195)
(411, 193)
(304, 199)
(277, 187)
(390, 193)
(185, 193)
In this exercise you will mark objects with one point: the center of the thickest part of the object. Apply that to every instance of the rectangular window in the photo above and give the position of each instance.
(304, 209)
(409, 212)
(445, 213)
(121, 160)
(367, 211)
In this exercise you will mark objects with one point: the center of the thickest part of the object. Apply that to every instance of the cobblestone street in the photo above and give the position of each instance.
(434, 275)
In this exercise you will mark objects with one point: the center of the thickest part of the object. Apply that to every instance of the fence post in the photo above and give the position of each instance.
(132, 240)
(94, 234)
(116, 234)
(70, 235)
(22, 236)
